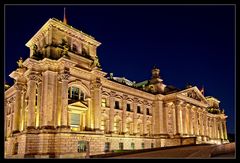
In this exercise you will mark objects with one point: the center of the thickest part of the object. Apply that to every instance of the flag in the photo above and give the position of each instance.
(64, 17)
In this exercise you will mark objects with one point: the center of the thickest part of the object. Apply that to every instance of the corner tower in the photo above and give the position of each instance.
(57, 39)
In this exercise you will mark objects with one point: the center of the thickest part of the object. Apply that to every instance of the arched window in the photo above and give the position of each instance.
(75, 93)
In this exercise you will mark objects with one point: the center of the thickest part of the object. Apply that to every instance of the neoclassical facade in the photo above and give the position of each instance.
(63, 105)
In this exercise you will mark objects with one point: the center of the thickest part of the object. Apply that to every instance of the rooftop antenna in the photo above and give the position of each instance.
(64, 17)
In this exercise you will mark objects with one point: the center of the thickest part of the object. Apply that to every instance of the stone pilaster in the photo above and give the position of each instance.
(124, 107)
(178, 117)
(111, 114)
(23, 106)
(221, 129)
(64, 99)
(49, 99)
(33, 79)
(144, 117)
(184, 119)
(214, 128)
(135, 115)
(96, 94)
(225, 130)
(16, 114)
(191, 116)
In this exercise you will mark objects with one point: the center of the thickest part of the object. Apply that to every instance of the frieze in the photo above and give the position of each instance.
(194, 95)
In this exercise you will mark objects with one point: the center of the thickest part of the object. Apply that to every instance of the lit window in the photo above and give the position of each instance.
(75, 121)
(132, 146)
(15, 148)
(107, 147)
(104, 102)
(128, 107)
(82, 146)
(82, 96)
(152, 145)
(121, 146)
(75, 94)
(116, 105)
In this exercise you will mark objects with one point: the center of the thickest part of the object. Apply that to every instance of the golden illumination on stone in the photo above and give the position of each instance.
(76, 104)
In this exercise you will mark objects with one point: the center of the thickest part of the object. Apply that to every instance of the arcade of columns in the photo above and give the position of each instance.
(191, 120)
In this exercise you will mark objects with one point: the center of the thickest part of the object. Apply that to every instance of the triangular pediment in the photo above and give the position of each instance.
(194, 93)
(78, 105)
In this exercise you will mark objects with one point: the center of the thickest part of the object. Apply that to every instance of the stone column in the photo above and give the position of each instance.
(16, 114)
(196, 122)
(111, 114)
(221, 129)
(201, 122)
(64, 109)
(89, 113)
(33, 78)
(184, 119)
(187, 119)
(135, 115)
(190, 121)
(144, 117)
(39, 105)
(214, 128)
(178, 117)
(206, 125)
(97, 97)
(83, 121)
(162, 116)
(124, 107)
(225, 130)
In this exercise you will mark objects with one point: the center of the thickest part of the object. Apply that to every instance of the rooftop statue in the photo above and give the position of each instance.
(20, 62)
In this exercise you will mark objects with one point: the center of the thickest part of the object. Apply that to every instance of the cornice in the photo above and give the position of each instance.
(63, 27)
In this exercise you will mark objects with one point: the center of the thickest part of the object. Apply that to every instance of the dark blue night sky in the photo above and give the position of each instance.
(190, 44)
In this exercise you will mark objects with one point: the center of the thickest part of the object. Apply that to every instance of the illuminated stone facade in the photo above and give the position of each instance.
(63, 105)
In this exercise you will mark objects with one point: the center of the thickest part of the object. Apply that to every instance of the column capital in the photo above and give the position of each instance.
(20, 87)
(35, 77)
(178, 102)
(63, 77)
(112, 94)
(96, 83)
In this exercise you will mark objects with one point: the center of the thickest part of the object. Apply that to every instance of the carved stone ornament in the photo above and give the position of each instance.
(21, 87)
(35, 77)
(193, 95)
(64, 76)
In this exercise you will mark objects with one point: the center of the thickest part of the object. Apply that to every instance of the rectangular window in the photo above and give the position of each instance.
(104, 102)
(15, 149)
(117, 105)
(142, 145)
(75, 120)
(107, 147)
(128, 107)
(152, 145)
(138, 109)
(82, 146)
(121, 146)
(132, 146)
